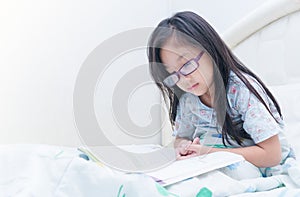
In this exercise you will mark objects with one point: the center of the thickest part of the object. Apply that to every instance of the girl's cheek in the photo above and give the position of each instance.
(203, 77)
(181, 86)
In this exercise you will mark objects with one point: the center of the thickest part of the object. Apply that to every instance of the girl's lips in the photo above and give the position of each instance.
(193, 87)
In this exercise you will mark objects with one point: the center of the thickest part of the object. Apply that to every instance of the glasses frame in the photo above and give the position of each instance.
(177, 73)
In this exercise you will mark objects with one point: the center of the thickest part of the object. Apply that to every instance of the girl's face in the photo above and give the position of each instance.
(199, 82)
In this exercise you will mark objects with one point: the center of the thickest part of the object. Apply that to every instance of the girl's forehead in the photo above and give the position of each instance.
(172, 44)
(175, 49)
(177, 43)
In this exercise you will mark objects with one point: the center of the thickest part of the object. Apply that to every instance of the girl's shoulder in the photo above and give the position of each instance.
(238, 92)
(235, 83)
(234, 79)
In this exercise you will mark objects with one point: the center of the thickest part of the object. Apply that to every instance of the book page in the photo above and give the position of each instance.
(184, 169)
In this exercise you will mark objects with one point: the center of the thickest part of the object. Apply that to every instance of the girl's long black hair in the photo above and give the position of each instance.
(195, 27)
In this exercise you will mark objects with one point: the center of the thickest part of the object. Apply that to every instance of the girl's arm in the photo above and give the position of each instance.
(264, 154)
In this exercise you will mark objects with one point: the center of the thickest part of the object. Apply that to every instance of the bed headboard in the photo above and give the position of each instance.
(267, 41)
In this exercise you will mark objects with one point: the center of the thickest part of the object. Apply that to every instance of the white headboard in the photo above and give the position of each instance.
(267, 41)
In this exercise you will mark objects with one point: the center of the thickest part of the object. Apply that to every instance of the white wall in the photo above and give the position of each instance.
(44, 43)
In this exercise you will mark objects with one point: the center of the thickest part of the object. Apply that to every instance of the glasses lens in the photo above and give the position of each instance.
(189, 67)
(171, 80)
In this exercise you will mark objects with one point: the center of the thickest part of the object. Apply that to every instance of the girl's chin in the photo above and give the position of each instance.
(199, 92)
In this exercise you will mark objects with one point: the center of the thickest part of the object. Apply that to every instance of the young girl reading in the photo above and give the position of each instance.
(215, 102)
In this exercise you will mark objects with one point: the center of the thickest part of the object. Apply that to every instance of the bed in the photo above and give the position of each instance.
(267, 40)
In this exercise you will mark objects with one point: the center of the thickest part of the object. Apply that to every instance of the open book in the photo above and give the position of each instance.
(181, 169)
(188, 168)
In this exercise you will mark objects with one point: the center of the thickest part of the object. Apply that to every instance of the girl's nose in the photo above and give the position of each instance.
(184, 80)
(186, 77)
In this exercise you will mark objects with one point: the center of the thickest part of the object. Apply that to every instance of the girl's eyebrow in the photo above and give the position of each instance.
(181, 56)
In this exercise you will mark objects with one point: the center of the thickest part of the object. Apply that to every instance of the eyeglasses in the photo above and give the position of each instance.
(186, 69)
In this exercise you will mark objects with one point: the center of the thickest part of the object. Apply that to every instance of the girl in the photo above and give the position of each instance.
(215, 102)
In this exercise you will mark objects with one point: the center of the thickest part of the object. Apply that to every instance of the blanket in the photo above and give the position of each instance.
(43, 170)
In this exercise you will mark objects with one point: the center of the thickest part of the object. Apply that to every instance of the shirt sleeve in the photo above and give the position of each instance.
(257, 120)
(184, 126)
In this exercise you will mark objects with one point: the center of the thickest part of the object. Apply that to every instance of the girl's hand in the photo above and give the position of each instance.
(194, 150)
(198, 149)
(182, 151)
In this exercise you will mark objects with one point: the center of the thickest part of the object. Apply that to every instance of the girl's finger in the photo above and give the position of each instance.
(187, 156)
(186, 147)
(196, 140)
(193, 147)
